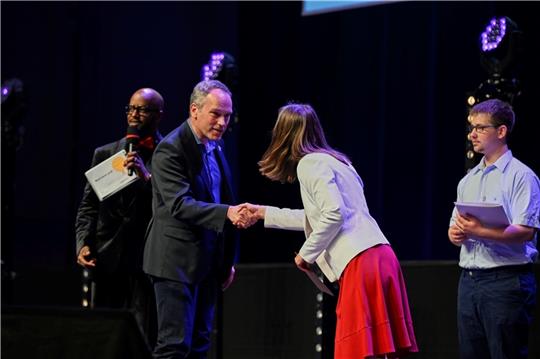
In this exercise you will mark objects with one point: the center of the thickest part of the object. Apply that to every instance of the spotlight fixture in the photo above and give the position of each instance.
(222, 67)
(496, 87)
(87, 290)
(13, 112)
(212, 69)
(501, 48)
(319, 323)
(493, 35)
(500, 45)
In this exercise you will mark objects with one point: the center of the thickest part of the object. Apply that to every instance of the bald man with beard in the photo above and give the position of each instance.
(110, 234)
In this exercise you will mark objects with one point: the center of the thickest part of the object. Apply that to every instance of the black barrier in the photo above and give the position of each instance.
(270, 312)
(59, 333)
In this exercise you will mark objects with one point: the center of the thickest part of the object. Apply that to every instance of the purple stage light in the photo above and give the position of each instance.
(494, 34)
(221, 66)
(211, 70)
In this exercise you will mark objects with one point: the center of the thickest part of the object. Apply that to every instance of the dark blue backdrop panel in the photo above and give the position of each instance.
(389, 84)
(387, 81)
(80, 62)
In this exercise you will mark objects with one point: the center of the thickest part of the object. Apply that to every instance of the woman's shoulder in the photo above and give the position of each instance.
(320, 158)
(315, 160)
(316, 156)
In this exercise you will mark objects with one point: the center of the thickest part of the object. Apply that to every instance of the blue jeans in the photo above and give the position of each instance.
(495, 312)
(185, 314)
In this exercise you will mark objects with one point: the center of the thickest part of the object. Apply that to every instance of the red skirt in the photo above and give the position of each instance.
(373, 316)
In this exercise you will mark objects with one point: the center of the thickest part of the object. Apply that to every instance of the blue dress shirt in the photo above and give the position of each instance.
(211, 166)
(514, 185)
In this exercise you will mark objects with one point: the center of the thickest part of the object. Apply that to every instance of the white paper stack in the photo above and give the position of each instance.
(489, 214)
(110, 176)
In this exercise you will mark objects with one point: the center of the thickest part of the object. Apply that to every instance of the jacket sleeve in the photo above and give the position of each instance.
(87, 213)
(171, 181)
(284, 218)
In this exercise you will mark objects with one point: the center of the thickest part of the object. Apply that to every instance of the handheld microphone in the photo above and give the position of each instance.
(132, 140)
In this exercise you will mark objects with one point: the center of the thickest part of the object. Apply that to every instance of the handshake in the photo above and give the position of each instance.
(245, 215)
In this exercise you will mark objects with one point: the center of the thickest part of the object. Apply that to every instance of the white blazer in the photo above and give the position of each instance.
(335, 218)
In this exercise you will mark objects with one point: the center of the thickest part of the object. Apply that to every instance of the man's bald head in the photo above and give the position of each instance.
(152, 96)
(145, 109)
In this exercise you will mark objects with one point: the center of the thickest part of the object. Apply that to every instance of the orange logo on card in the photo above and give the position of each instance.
(118, 164)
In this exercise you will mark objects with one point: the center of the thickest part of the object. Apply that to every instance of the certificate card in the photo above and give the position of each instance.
(319, 283)
(489, 214)
(110, 176)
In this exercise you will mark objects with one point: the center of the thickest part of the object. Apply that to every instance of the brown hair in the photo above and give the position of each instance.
(501, 113)
(297, 132)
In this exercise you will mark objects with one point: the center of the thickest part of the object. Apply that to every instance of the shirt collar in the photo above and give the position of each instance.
(501, 163)
(209, 146)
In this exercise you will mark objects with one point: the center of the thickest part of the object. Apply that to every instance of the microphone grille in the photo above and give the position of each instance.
(132, 135)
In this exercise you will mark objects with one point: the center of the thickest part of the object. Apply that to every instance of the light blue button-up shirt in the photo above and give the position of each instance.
(514, 185)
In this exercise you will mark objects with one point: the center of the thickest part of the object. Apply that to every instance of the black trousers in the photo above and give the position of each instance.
(185, 317)
(495, 312)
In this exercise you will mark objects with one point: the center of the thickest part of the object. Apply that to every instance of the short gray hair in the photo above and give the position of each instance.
(203, 88)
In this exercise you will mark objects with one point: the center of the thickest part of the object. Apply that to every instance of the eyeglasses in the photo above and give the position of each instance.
(141, 109)
(480, 128)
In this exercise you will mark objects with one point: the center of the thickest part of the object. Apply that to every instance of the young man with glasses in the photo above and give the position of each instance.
(110, 234)
(497, 287)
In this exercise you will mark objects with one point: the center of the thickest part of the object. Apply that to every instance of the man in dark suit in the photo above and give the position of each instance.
(191, 246)
(110, 234)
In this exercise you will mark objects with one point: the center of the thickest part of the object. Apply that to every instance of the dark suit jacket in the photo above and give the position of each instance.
(114, 229)
(189, 236)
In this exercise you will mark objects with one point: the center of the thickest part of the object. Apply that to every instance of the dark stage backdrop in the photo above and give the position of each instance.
(80, 62)
(389, 83)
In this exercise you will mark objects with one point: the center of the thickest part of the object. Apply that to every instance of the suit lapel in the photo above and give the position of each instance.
(194, 156)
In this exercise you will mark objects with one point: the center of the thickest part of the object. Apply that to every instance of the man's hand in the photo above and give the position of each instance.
(241, 216)
(84, 258)
(134, 161)
(252, 213)
(257, 212)
(456, 235)
(512, 234)
(469, 225)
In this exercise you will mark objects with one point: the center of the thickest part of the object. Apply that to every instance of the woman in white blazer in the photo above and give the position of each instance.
(373, 316)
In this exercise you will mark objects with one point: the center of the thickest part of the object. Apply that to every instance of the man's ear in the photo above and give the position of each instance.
(193, 110)
(159, 117)
(502, 131)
